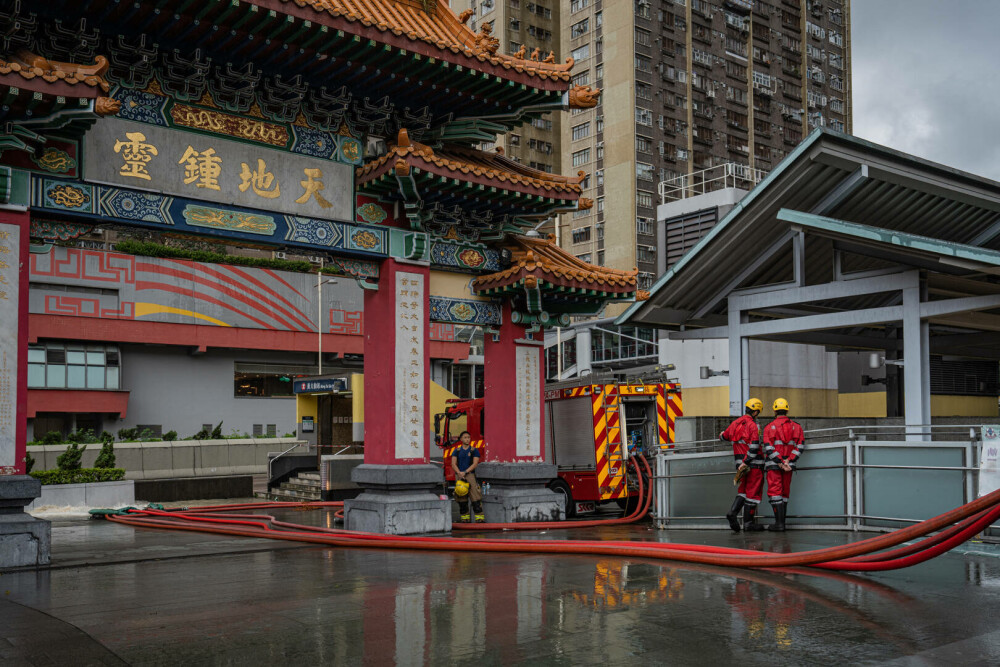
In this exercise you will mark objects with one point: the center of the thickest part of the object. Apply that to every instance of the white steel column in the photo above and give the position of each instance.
(583, 351)
(916, 360)
(738, 362)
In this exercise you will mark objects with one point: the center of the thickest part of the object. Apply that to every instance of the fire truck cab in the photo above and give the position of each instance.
(592, 427)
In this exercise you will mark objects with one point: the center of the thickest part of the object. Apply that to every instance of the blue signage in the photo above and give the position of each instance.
(317, 386)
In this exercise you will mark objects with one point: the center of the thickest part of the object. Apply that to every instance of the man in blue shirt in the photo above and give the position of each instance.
(464, 460)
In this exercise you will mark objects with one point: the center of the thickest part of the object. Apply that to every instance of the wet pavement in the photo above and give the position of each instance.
(119, 595)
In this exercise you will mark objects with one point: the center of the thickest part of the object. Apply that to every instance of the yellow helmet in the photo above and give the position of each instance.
(461, 488)
(755, 404)
(780, 404)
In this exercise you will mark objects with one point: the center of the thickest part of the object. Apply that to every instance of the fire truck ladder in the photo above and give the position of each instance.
(614, 422)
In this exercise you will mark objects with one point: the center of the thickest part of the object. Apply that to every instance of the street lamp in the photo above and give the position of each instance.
(319, 313)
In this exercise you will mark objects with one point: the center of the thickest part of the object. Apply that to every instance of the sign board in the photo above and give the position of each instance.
(184, 164)
(528, 405)
(989, 459)
(308, 425)
(12, 334)
(411, 332)
(319, 386)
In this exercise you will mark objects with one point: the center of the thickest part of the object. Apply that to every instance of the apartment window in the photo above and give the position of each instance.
(736, 47)
(600, 178)
(645, 253)
(642, 37)
(681, 127)
(643, 144)
(837, 125)
(642, 9)
(836, 62)
(682, 76)
(581, 235)
(579, 28)
(581, 157)
(581, 53)
(600, 124)
(600, 258)
(73, 366)
(837, 83)
(515, 24)
(577, 5)
(643, 116)
(599, 45)
(814, 53)
(682, 154)
(487, 6)
(541, 166)
(643, 64)
(580, 213)
(836, 38)
(599, 72)
(734, 94)
(585, 183)
(582, 79)
(816, 31)
(600, 209)
(542, 124)
(836, 105)
(515, 139)
(515, 4)
(581, 131)
(643, 91)
(585, 257)
(598, 19)
(701, 57)
(644, 199)
(600, 150)
(644, 225)
(792, 135)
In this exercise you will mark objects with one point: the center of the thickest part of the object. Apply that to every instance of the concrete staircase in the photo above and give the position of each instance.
(303, 486)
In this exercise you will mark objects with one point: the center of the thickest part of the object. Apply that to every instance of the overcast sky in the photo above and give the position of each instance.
(927, 79)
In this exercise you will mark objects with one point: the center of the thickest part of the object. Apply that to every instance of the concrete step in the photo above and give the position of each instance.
(302, 488)
(304, 481)
(282, 497)
(309, 475)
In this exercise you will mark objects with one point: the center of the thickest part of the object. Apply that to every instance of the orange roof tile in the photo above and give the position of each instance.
(536, 259)
(439, 27)
(462, 163)
(32, 67)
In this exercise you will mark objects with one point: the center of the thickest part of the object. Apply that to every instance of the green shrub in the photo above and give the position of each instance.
(127, 434)
(107, 437)
(70, 459)
(106, 459)
(170, 436)
(146, 435)
(80, 476)
(217, 432)
(149, 249)
(52, 438)
(82, 437)
(29, 463)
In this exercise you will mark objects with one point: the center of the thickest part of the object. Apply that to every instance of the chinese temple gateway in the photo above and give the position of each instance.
(345, 129)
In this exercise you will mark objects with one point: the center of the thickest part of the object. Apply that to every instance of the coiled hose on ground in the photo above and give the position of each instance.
(956, 526)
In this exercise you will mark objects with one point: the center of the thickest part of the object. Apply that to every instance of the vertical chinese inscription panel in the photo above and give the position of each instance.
(411, 332)
(528, 401)
(10, 321)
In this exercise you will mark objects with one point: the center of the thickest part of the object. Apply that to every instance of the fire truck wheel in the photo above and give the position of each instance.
(629, 505)
(562, 488)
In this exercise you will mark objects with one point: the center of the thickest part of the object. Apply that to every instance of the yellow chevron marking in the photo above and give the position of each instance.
(143, 309)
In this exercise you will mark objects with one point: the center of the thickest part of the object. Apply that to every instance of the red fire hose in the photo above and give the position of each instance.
(968, 520)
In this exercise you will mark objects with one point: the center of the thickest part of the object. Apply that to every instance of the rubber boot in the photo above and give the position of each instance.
(749, 514)
(734, 512)
(779, 518)
(463, 511)
(477, 508)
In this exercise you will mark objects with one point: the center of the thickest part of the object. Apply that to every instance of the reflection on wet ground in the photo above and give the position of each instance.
(156, 597)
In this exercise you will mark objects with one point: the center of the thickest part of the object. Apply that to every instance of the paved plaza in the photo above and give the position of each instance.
(119, 595)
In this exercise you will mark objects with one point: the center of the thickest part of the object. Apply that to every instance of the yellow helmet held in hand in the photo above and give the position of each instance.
(755, 404)
(461, 488)
(780, 404)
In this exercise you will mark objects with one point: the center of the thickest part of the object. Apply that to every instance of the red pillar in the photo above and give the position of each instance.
(14, 228)
(397, 366)
(514, 378)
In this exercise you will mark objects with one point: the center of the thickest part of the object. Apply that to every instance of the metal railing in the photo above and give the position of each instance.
(857, 478)
(703, 181)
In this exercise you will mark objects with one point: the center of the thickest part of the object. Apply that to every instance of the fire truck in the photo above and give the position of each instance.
(591, 429)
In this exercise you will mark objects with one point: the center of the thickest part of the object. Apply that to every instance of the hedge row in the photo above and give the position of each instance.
(149, 249)
(80, 476)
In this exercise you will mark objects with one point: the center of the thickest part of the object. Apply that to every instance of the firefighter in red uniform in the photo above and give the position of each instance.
(745, 436)
(783, 444)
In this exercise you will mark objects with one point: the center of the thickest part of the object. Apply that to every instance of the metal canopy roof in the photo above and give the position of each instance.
(909, 213)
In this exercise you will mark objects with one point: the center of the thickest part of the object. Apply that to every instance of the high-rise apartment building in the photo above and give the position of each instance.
(520, 24)
(689, 85)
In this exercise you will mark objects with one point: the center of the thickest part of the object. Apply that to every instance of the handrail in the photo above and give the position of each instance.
(271, 461)
(829, 432)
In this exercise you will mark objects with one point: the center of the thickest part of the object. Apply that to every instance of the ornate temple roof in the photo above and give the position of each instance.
(433, 22)
(39, 74)
(539, 262)
(469, 164)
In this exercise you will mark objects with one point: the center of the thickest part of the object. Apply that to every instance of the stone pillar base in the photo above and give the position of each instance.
(24, 540)
(518, 492)
(398, 500)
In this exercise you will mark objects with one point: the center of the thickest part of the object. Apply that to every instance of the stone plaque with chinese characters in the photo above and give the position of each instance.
(198, 166)
(10, 243)
(411, 428)
(529, 401)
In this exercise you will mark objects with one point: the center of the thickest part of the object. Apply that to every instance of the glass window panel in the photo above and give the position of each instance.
(76, 377)
(112, 378)
(76, 357)
(95, 377)
(36, 375)
(36, 354)
(55, 376)
(95, 358)
(55, 355)
(112, 356)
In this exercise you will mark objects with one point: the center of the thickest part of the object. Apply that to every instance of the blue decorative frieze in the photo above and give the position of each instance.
(65, 195)
(141, 107)
(465, 257)
(464, 311)
(336, 235)
(137, 206)
(315, 143)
